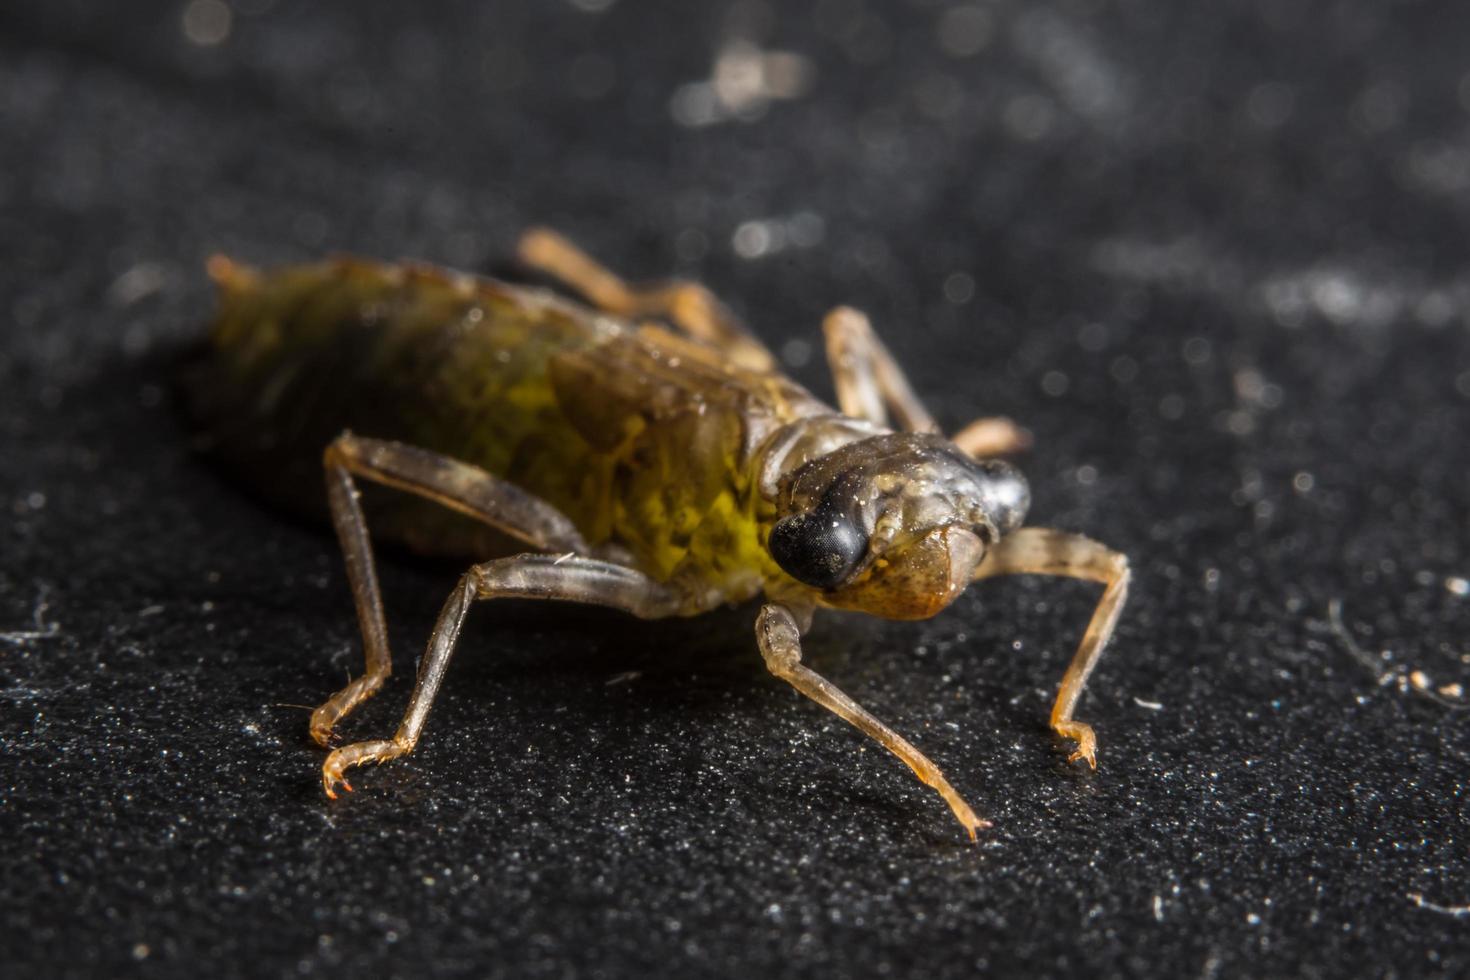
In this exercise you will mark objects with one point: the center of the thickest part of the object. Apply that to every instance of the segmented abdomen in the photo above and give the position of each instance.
(455, 365)
(642, 438)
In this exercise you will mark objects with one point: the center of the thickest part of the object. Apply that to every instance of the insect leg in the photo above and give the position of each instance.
(992, 436)
(1043, 551)
(689, 305)
(869, 381)
(568, 578)
(870, 385)
(456, 485)
(779, 637)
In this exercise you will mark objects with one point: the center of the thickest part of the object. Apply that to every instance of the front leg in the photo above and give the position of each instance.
(564, 577)
(779, 638)
(870, 385)
(1043, 551)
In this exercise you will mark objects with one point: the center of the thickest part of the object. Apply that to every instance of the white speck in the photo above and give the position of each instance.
(754, 239)
(42, 630)
(742, 84)
(1253, 919)
(1458, 911)
(1252, 388)
(1338, 297)
(206, 22)
(139, 282)
(623, 678)
(141, 951)
(759, 237)
(1457, 585)
(1151, 706)
(1158, 905)
(1303, 482)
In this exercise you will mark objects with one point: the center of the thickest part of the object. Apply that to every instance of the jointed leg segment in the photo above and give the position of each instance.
(779, 638)
(568, 578)
(869, 381)
(993, 435)
(446, 481)
(1042, 551)
(688, 304)
(870, 385)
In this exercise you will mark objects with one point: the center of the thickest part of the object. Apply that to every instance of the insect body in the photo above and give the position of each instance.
(659, 471)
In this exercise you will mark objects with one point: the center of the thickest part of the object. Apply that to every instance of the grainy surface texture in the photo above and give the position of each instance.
(1213, 255)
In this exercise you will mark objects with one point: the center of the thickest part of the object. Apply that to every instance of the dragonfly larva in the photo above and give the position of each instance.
(641, 452)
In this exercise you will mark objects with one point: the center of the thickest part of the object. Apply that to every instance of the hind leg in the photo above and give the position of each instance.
(687, 304)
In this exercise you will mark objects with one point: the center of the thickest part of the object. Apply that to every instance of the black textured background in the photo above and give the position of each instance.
(1213, 255)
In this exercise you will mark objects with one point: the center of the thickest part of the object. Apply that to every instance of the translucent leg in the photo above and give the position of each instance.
(567, 578)
(992, 436)
(779, 638)
(456, 485)
(1042, 551)
(869, 382)
(689, 305)
(870, 385)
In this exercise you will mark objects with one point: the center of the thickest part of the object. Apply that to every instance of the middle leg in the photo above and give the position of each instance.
(563, 577)
(870, 385)
(446, 481)
(688, 304)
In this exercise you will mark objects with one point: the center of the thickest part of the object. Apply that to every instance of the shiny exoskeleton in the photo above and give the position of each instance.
(659, 468)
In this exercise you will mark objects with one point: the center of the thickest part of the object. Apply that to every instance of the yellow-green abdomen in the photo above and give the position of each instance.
(606, 423)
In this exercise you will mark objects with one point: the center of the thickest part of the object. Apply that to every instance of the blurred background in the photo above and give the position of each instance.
(1212, 255)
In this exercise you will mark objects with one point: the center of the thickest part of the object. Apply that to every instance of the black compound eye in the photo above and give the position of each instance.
(820, 549)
